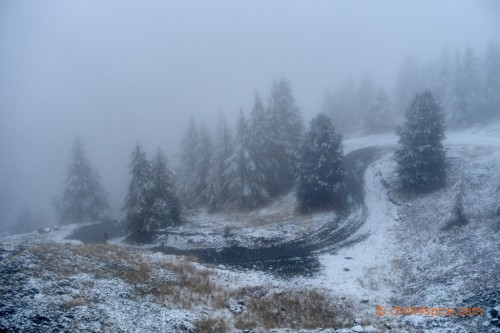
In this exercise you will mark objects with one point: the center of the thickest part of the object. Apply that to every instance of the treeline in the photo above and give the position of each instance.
(465, 85)
(265, 156)
(246, 167)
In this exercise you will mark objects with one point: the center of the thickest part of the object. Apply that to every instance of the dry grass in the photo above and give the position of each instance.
(211, 325)
(192, 286)
(100, 260)
(307, 309)
(75, 302)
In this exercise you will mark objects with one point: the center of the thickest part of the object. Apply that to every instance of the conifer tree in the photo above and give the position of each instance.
(218, 178)
(379, 115)
(321, 166)
(202, 166)
(151, 202)
(238, 164)
(285, 131)
(259, 155)
(420, 155)
(188, 165)
(165, 208)
(83, 198)
(491, 88)
(135, 209)
(463, 101)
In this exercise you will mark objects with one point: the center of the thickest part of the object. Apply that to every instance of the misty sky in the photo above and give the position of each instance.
(114, 72)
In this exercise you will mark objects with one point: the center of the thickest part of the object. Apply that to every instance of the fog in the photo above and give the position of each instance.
(117, 72)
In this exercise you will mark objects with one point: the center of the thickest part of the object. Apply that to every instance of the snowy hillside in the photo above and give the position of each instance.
(401, 255)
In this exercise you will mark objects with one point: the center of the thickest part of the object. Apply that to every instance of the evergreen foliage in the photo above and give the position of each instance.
(189, 162)
(379, 114)
(26, 221)
(202, 166)
(243, 191)
(151, 202)
(420, 155)
(83, 198)
(321, 168)
(285, 130)
(196, 156)
(218, 178)
(165, 207)
(135, 209)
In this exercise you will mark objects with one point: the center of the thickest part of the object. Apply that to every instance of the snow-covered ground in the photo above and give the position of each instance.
(407, 259)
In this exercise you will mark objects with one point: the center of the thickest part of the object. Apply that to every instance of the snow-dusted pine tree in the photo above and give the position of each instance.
(83, 198)
(247, 187)
(285, 134)
(135, 209)
(464, 102)
(491, 80)
(421, 155)
(379, 115)
(321, 166)
(259, 155)
(218, 180)
(151, 202)
(202, 166)
(238, 163)
(188, 163)
(164, 206)
(408, 83)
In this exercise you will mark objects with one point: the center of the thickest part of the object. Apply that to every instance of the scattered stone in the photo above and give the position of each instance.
(370, 329)
(357, 329)
(388, 326)
(256, 292)
(495, 312)
(365, 301)
(349, 258)
(221, 267)
(495, 315)
(346, 269)
(237, 307)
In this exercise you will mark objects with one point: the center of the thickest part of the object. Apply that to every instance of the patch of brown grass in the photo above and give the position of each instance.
(100, 260)
(211, 325)
(75, 302)
(307, 309)
(194, 287)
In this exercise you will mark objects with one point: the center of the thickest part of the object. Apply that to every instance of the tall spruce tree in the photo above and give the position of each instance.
(135, 209)
(188, 165)
(165, 207)
(83, 198)
(421, 155)
(285, 131)
(491, 88)
(379, 116)
(464, 101)
(202, 166)
(259, 155)
(238, 164)
(321, 166)
(218, 178)
(151, 202)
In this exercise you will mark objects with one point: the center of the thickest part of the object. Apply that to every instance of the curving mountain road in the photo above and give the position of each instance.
(299, 256)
